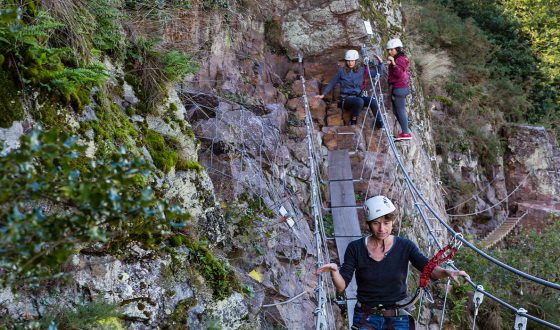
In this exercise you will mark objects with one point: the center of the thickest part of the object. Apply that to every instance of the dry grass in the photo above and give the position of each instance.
(76, 18)
(434, 68)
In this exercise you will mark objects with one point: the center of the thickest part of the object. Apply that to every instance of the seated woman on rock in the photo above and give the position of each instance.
(353, 80)
(380, 262)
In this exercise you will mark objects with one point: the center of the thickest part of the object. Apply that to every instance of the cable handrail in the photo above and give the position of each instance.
(496, 204)
(410, 182)
(321, 313)
(459, 237)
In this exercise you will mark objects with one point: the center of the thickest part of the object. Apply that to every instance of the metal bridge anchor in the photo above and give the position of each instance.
(520, 319)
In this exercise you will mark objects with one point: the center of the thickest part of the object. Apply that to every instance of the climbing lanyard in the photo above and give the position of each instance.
(432, 263)
(435, 261)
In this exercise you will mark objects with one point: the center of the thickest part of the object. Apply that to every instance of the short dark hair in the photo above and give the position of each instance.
(390, 216)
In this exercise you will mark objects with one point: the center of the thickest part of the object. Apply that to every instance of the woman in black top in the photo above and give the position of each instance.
(380, 262)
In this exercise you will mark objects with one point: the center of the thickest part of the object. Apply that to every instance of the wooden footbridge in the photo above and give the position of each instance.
(500, 232)
(344, 212)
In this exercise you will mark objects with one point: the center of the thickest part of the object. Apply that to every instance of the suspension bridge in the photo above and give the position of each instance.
(347, 229)
(257, 150)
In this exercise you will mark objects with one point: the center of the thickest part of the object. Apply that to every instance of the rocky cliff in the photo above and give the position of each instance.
(240, 116)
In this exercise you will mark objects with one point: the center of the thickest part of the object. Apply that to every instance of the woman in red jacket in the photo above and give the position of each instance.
(397, 62)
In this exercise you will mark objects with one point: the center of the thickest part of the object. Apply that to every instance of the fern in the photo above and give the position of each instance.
(43, 66)
(177, 65)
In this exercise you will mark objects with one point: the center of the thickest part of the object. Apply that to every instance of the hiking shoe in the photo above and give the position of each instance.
(353, 121)
(403, 136)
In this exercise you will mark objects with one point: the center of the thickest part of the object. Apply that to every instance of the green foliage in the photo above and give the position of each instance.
(53, 199)
(163, 153)
(179, 316)
(214, 4)
(150, 70)
(52, 69)
(108, 33)
(256, 204)
(526, 37)
(10, 104)
(94, 315)
(186, 165)
(218, 276)
(158, 5)
(476, 99)
(176, 65)
(112, 128)
(531, 252)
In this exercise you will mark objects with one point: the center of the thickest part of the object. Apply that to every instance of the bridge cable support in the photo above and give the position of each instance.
(449, 264)
(520, 319)
(477, 301)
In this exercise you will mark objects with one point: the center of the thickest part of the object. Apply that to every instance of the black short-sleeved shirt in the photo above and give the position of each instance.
(381, 282)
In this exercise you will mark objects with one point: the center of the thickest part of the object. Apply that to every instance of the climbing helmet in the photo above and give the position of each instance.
(378, 206)
(351, 55)
(394, 43)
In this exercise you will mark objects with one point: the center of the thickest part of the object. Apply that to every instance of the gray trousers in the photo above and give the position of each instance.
(398, 98)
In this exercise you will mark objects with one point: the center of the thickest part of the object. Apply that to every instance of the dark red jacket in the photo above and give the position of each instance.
(398, 73)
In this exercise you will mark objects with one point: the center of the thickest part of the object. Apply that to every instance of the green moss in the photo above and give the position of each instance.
(10, 104)
(80, 98)
(162, 152)
(173, 108)
(273, 36)
(444, 100)
(201, 261)
(179, 316)
(112, 129)
(48, 115)
(370, 11)
(88, 316)
(218, 277)
(177, 240)
(186, 165)
(256, 204)
(130, 111)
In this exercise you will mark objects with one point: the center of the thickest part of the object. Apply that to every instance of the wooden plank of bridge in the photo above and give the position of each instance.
(344, 212)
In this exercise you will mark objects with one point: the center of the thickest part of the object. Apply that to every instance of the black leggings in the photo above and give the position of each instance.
(355, 103)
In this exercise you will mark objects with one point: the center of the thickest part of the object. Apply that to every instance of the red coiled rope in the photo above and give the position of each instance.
(434, 262)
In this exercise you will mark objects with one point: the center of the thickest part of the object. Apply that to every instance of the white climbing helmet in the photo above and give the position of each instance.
(351, 55)
(378, 206)
(394, 43)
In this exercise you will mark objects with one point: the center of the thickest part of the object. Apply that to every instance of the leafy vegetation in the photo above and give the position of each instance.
(525, 37)
(149, 70)
(217, 274)
(534, 253)
(27, 56)
(53, 199)
(107, 33)
(473, 99)
(10, 104)
(94, 315)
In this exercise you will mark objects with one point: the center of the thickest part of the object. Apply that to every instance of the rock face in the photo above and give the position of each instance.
(245, 110)
(532, 173)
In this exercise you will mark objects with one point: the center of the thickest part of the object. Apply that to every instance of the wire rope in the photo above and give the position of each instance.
(459, 237)
(496, 204)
